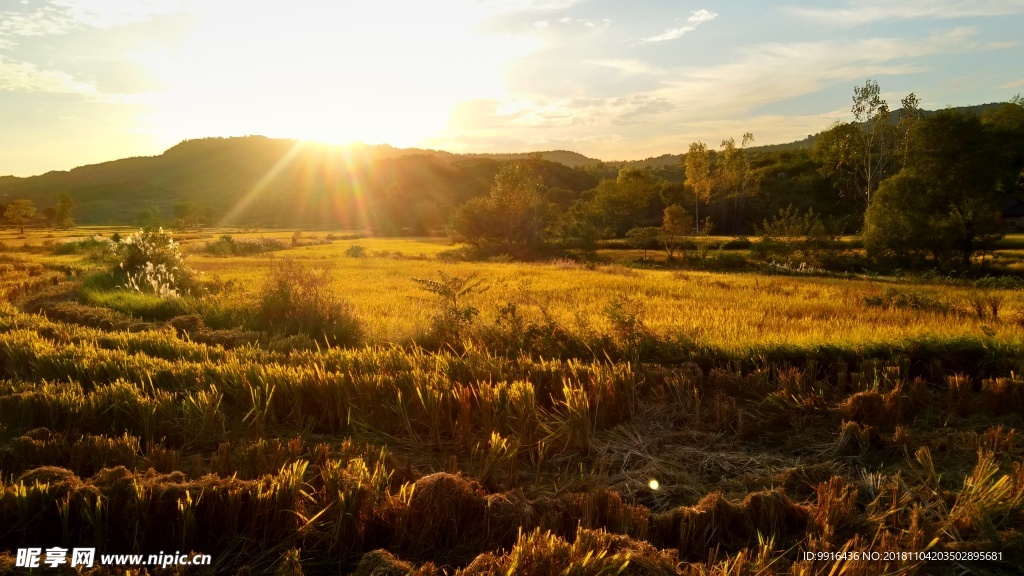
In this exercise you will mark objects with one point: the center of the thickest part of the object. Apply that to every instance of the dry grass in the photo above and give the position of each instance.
(719, 424)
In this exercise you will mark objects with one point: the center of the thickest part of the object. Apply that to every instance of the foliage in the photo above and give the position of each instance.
(858, 156)
(511, 218)
(450, 324)
(577, 228)
(19, 213)
(622, 204)
(356, 251)
(645, 238)
(298, 299)
(151, 262)
(63, 214)
(699, 176)
(227, 245)
(945, 202)
(791, 233)
(676, 225)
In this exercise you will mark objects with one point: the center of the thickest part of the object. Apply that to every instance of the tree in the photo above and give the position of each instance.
(576, 229)
(644, 238)
(621, 204)
(859, 155)
(19, 213)
(791, 232)
(732, 177)
(676, 225)
(946, 202)
(904, 222)
(910, 114)
(698, 175)
(189, 215)
(149, 217)
(513, 216)
(65, 206)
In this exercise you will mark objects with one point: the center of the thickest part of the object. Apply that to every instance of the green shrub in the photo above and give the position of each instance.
(455, 317)
(895, 298)
(93, 246)
(355, 251)
(298, 299)
(226, 245)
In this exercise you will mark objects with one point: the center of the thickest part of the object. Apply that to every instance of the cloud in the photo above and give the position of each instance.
(703, 102)
(26, 77)
(1014, 84)
(865, 11)
(56, 17)
(629, 67)
(773, 72)
(697, 17)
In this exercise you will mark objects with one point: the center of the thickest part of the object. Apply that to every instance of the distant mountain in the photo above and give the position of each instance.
(266, 181)
(571, 159)
(256, 180)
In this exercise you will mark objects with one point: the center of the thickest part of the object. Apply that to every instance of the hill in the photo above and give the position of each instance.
(264, 181)
(260, 181)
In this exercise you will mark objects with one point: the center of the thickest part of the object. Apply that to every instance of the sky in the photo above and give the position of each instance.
(86, 81)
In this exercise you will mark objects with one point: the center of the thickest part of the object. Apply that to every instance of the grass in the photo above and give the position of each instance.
(588, 420)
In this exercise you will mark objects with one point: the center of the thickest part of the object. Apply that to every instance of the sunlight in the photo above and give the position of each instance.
(256, 191)
(368, 76)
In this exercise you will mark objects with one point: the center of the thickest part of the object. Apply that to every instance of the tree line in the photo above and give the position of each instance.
(921, 189)
(22, 212)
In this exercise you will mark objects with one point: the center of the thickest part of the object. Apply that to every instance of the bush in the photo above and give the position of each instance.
(455, 317)
(151, 262)
(298, 299)
(355, 251)
(226, 245)
(790, 234)
(94, 247)
(913, 300)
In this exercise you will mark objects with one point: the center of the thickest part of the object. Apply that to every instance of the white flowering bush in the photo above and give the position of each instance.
(151, 262)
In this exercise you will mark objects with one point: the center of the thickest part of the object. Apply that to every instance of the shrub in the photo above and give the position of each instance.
(790, 234)
(226, 245)
(298, 299)
(355, 251)
(151, 262)
(913, 300)
(455, 317)
(94, 247)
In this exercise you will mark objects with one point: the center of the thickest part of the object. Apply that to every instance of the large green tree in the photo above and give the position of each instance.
(512, 217)
(622, 204)
(64, 217)
(19, 213)
(945, 203)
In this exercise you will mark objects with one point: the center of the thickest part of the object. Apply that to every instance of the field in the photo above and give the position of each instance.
(551, 418)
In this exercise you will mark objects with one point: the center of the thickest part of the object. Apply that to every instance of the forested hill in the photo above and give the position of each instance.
(255, 180)
(803, 144)
(259, 181)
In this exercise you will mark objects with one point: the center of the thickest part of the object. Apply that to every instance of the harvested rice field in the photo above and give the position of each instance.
(321, 403)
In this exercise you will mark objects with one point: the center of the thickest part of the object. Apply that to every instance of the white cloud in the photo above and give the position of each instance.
(26, 77)
(1014, 84)
(697, 17)
(629, 67)
(865, 11)
(105, 14)
(56, 17)
(767, 73)
(707, 103)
